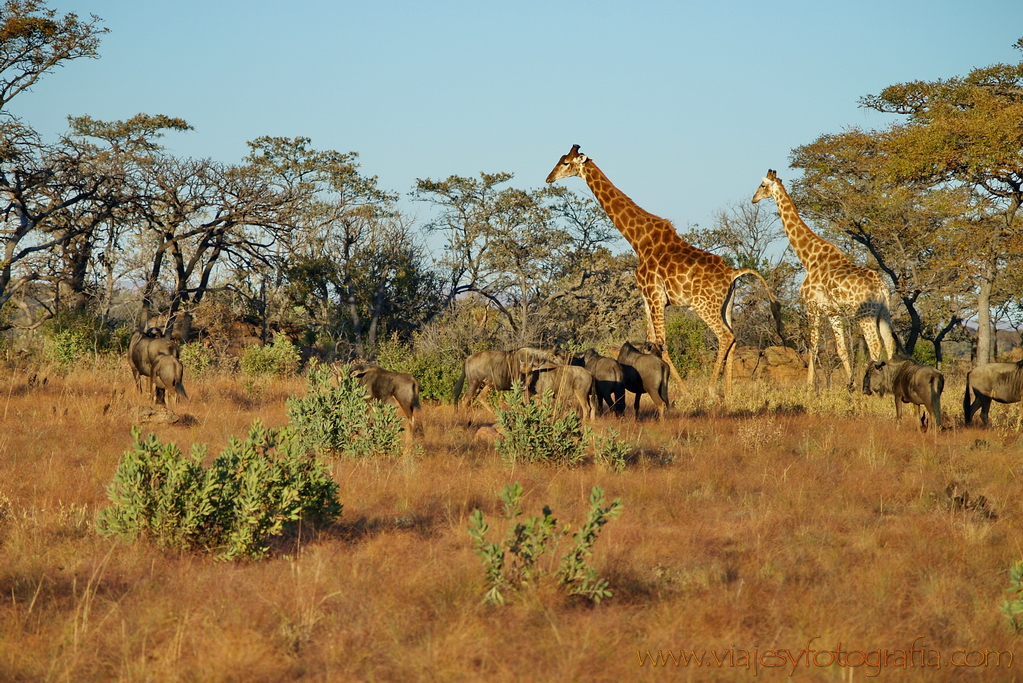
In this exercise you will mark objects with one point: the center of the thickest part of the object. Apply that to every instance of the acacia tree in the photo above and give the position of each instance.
(34, 41)
(92, 228)
(965, 132)
(520, 250)
(351, 264)
(38, 182)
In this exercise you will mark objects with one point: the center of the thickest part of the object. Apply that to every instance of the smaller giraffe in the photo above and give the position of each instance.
(670, 270)
(834, 286)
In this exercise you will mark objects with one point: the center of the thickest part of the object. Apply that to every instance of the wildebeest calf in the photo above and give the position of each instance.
(383, 384)
(908, 382)
(608, 377)
(645, 373)
(167, 373)
(562, 381)
(143, 351)
(999, 382)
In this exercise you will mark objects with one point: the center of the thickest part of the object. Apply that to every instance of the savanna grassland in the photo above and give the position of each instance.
(781, 518)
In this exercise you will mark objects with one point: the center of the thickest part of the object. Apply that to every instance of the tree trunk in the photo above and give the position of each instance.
(940, 337)
(984, 319)
(915, 323)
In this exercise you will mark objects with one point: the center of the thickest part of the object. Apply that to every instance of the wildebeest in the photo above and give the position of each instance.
(384, 384)
(497, 370)
(167, 374)
(645, 373)
(143, 351)
(999, 382)
(908, 382)
(607, 376)
(563, 381)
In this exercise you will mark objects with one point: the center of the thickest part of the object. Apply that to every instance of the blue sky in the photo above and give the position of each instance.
(683, 105)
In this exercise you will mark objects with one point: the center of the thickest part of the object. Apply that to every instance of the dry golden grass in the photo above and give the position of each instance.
(782, 516)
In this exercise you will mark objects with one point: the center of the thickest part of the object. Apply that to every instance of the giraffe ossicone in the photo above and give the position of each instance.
(670, 270)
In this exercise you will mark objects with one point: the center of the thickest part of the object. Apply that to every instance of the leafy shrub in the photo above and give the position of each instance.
(436, 371)
(196, 358)
(533, 432)
(231, 508)
(1013, 609)
(68, 347)
(69, 337)
(609, 451)
(685, 342)
(278, 359)
(923, 353)
(120, 339)
(334, 417)
(519, 561)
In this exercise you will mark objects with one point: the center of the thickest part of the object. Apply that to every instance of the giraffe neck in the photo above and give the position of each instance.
(641, 228)
(810, 248)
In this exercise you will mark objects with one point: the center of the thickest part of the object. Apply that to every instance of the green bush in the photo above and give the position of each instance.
(1013, 609)
(252, 489)
(685, 343)
(436, 371)
(120, 339)
(609, 451)
(69, 338)
(68, 347)
(923, 353)
(533, 432)
(520, 560)
(278, 359)
(335, 418)
(196, 358)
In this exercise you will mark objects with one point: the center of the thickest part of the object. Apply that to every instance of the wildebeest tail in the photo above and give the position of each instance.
(937, 386)
(663, 389)
(414, 403)
(180, 388)
(966, 400)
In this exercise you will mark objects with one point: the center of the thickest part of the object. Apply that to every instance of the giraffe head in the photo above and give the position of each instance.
(569, 165)
(767, 187)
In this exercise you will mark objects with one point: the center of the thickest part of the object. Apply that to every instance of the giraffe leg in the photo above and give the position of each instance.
(843, 351)
(726, 343)
(884, 326)
(654, 302)
(873, 339)
(815, 340)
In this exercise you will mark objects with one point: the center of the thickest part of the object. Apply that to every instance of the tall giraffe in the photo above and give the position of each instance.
(670, 270)
(834, 285)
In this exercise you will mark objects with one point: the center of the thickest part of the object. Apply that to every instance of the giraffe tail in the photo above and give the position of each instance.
(775, 304)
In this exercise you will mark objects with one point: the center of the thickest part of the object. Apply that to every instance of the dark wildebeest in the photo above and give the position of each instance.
(607, 374)
(143, 351)
(562, 381)
(645, 373)
(497, 370)
(384, 384)
(908, 382)
(166, 374)
(999, 382)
